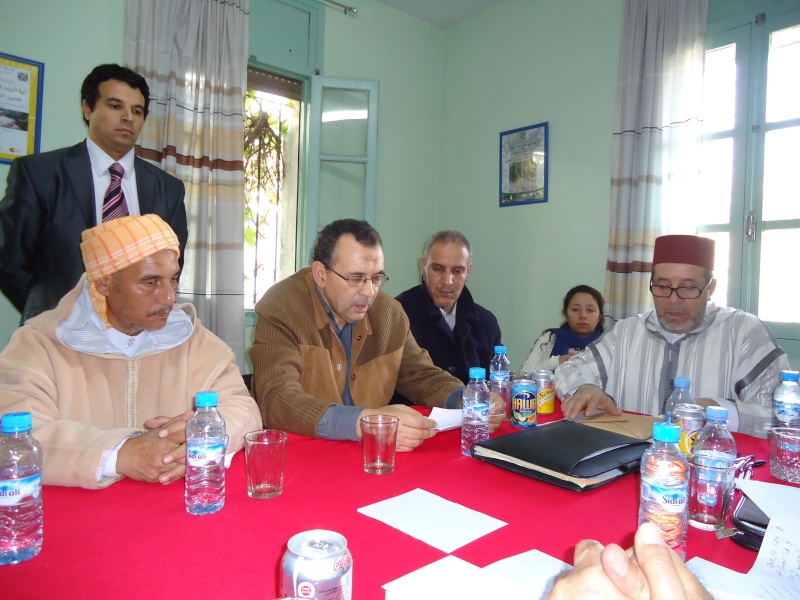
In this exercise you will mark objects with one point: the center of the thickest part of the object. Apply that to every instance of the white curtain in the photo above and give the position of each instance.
(657, 137)
(193, 54)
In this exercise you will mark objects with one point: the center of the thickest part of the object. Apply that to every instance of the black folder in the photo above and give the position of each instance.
(567, 454)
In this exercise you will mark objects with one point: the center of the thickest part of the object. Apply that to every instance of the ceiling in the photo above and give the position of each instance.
(439, 13)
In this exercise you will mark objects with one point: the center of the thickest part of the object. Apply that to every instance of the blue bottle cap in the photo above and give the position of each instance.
(499, 349)
(16, 422)
(477, 373)
(203, 399)
(716, 413)
(683, 382)
(785, 375)
(666, 432)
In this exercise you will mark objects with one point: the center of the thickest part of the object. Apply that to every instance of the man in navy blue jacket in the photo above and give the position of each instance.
(457, 332)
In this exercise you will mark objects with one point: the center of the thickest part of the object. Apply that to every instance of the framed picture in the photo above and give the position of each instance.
(21, 83)
(523, 165)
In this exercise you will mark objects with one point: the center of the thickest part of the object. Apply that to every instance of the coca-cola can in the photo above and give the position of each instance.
(317, 564)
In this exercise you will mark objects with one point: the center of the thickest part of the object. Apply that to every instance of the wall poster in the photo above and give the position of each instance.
(21, 83)
(523, 165)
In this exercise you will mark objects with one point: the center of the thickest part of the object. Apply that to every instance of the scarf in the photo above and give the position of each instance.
(567, 339)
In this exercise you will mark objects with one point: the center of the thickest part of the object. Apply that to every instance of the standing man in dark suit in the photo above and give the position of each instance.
(457, 332)
(51, 198)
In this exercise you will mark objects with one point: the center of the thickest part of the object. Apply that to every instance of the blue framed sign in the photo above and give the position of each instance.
(523, 165)
(21, 83)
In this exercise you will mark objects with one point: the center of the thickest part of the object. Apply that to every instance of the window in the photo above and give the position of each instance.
(343, 140)
(749, 159)
(271, 159)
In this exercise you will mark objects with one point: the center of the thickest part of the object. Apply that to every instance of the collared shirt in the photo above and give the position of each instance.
(451, 318)
(102, 178)
(340, 422)
(345, 335)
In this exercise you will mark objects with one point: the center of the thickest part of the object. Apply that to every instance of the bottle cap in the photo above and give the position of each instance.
(16, 422)
(477, 373)
(499, 349)
(666, 432)
(785, 375)
(204, 399)
(716, 413)
(683, 382)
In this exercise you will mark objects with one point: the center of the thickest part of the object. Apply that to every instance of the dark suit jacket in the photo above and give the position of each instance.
(49, 202)
(470, 344)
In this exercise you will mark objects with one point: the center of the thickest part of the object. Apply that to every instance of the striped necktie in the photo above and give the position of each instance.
(114, 205)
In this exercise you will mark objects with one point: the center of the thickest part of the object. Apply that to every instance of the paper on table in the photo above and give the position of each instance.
(427, 517)
(775, 574)
(725, 584)
(452, 577)
(780, 551)
(535, 571)
(446, 418)
(770, 497)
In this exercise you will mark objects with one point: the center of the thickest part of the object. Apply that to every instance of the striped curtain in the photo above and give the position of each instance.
(193, 54)
(656, 143)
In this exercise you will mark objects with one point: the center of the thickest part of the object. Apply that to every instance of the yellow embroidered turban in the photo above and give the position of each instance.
(115, 245)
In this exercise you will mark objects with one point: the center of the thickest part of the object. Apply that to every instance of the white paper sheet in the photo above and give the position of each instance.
(429, 518)
(725, 584)
(770, 497)
(446, 418)
(780, 550)
(775, 574)
(534, 571)
(452, 577)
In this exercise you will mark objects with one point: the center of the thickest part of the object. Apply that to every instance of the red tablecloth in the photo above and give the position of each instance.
(136, 539)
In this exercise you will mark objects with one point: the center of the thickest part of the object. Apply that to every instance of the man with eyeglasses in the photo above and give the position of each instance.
(456, 331)
(730, 356)
(331, 347)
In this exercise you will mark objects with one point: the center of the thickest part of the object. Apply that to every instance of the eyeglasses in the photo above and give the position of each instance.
(357, 281)
(686, 293)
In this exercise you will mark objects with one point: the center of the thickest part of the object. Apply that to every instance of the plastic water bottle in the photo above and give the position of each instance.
(20, 490)
(500, 377)
(715, 440)
(680, 395)
(665, 487)
(205, 457)
(500, 367)
(475, 410)
(787, 401)
(713, 447)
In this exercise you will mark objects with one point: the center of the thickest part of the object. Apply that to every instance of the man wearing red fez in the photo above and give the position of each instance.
(730, 356)
(111, 373)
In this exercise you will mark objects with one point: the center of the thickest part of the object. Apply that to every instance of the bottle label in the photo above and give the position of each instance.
(504, 375)
(670, 498)
(12, 491)
(786, 412)
(475, 411)
(200, 454)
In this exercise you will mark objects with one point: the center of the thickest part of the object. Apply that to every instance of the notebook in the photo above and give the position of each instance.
(564, 453)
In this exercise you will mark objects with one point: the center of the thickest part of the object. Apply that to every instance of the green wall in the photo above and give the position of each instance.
(520, 63)
(70, 38)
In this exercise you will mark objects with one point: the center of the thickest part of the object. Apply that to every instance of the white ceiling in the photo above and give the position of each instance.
(439, 13)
